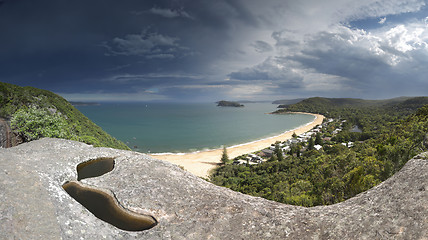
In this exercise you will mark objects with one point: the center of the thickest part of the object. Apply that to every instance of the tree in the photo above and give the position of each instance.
(278, 152)
(224, 158)
(318, 139)
(273, 158)
(294, 135)
(311, 144)
(298, 148)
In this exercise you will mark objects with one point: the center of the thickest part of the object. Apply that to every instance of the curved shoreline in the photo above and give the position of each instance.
(202, 162)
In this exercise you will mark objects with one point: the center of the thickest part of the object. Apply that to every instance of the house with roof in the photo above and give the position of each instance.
(267, 152)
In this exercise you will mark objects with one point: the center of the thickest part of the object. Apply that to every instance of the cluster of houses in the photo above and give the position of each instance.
(250, 159)
(285, 146)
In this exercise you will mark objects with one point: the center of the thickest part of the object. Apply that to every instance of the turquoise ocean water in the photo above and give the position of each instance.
(189, 127)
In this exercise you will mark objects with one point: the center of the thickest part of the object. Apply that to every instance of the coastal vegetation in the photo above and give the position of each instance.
(287, 101)
(229, 104)
(36, 113)
(360, 144)
(224, 157)
(33, 123)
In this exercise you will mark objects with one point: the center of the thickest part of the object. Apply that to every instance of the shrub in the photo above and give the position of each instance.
(33, 123)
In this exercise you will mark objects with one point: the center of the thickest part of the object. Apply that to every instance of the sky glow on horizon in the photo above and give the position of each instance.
(201, 50)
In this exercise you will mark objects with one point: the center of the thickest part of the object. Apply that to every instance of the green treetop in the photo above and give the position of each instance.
(224, 158)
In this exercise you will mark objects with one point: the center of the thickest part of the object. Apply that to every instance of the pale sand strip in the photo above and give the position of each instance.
(201, 163)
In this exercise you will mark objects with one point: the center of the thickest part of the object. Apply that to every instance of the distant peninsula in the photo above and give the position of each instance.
(229, 104)
(84, 103)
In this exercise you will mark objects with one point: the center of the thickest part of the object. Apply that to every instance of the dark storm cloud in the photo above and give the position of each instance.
(58, 38)
(59, 44)
(147, 44)
(63, 42)
(170, 13)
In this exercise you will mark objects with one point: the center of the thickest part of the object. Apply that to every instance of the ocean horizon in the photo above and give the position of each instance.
(190, 127)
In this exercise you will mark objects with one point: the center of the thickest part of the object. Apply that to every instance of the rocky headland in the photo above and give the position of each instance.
(35, 205)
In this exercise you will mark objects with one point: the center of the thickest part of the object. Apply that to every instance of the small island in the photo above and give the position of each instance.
(229, 104)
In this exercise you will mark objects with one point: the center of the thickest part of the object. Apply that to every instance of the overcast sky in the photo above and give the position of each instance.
(205, 50)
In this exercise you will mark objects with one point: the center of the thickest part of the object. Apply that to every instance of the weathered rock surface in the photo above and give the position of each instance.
(33, 204)
(3, 134)
(7, 137)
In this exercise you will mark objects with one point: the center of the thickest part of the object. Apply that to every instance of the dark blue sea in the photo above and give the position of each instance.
(189, 127)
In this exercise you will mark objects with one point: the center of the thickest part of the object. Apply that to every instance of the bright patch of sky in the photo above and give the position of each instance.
(392, 19)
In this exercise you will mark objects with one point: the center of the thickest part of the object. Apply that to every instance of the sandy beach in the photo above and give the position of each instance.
(201, 163)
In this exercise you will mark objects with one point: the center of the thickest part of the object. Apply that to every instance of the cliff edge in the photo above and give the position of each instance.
(35, 205)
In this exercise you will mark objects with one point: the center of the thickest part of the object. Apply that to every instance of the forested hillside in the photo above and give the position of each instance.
(36, 113)
(334, 107)
(348, 161)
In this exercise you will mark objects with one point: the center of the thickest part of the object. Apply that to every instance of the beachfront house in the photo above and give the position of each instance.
(267, 152)
(251, 159)
(240, 161)
(286, 148)
(252, 155)
(256, 159)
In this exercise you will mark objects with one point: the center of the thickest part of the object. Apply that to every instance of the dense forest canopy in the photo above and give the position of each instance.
(389, 133)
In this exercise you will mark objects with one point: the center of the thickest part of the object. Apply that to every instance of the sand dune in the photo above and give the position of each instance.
(201, 163)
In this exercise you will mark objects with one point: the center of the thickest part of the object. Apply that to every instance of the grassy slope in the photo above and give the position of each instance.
(13, 98)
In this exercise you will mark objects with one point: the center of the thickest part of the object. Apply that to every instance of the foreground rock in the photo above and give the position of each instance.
(33, 204)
